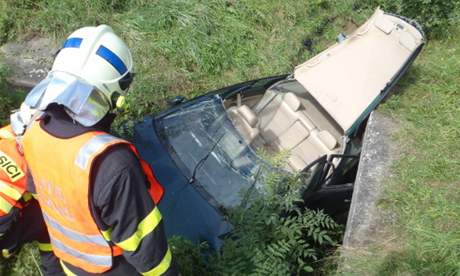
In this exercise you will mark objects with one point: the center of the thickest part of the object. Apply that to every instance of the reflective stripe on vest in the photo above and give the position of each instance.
(5, 206)
(13, 172)
(98, 260)
(71, 234)
(6, 189)
(93, 146)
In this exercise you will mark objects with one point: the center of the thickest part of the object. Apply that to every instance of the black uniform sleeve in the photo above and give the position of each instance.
(7, 220)
(124, 208)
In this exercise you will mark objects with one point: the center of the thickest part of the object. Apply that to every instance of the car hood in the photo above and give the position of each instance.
(348, 78)
(185, 209)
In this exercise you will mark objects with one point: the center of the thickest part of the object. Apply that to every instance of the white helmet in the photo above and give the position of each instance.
(88, 77)
(98, 56)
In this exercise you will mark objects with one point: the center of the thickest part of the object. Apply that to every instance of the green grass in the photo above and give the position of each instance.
(424, 193)
(188, 47)
(10, 97)
(426, 190)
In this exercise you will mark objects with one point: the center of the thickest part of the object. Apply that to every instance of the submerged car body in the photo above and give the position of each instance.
(206, 151)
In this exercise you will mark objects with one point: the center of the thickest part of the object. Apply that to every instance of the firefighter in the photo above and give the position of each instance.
(98, 197)
(20, 218)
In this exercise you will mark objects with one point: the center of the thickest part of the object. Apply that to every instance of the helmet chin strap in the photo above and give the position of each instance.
(118, 101)
(121, 102)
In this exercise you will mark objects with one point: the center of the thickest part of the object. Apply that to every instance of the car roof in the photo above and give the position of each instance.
(349, 76)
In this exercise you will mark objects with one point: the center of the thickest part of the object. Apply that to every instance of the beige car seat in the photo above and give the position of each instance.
(245, 121)
(288, 127)
(283, 125)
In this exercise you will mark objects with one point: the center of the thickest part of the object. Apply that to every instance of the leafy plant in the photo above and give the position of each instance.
(272, 235)
(436, 16)
(276, 235)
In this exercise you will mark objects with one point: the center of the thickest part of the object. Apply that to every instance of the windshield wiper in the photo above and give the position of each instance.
(202, 160)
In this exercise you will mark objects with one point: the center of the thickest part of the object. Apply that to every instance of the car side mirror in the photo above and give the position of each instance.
(176, 100)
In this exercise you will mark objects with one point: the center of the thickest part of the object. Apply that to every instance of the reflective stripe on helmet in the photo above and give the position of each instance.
(71, 234)
(5, 206)
(97, 260)
(113, 59)
(73, 42)
(6, 189)
(91, 147)
(146, 226)
(162, 267)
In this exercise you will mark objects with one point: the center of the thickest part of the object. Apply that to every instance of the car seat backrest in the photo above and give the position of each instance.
(248, 115)
(278, 116)
(285, 125)
(292, 136)
(327, 139)
(319, 143)
(245, 121)
(292, 102)
(304, 153)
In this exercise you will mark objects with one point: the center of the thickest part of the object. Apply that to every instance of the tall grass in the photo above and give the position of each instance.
(187, 47)
(424, 193)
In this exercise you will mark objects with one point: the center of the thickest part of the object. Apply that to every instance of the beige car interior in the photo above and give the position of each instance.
(308, 115)
(280, 122)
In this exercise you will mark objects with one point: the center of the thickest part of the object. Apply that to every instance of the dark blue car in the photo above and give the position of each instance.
(207, 152)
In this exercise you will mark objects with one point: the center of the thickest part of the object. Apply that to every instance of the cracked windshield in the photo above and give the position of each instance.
(205, 141)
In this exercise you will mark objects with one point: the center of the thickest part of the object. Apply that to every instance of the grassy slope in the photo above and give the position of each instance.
(425, 192)
(188, 47)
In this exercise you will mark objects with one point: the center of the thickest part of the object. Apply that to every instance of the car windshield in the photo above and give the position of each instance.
(202, 133)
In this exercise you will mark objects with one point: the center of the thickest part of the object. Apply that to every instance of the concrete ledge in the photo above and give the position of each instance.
(29, 61)
(366, 225)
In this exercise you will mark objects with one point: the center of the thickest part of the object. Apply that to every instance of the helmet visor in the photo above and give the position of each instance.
(85, 103)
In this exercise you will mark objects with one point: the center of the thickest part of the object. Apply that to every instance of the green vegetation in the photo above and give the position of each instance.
(189, 47)
(10, 97)
(6, 99)
(25, 263)
(272, 236)
(425, 192)
(436, 16)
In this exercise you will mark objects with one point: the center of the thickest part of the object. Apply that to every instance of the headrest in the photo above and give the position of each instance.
(248, 115)
(327, 139)
(292, 101)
